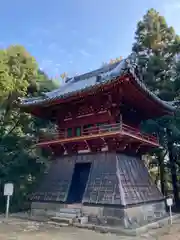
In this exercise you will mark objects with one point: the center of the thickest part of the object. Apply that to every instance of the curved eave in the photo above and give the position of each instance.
(62, 98)
(163, 104)
(126, 69)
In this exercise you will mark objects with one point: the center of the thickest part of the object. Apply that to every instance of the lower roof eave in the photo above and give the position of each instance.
(123, 136)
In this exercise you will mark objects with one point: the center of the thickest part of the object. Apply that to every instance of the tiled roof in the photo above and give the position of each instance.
(86, 81)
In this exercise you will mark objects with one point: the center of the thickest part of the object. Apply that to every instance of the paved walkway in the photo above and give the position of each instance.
(17, 229)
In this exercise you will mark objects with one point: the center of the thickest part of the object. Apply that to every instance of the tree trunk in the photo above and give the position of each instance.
(162, 176)
(161, 167)
(172, 161)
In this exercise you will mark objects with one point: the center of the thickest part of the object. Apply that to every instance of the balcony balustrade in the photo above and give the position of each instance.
(100, 131)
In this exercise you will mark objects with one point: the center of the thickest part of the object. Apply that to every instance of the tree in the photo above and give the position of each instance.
(64, 75)
(118, 59)
(157, 46)
(41, 84)
(20, 161)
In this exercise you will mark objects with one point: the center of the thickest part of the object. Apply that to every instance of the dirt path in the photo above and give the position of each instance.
(17, 229)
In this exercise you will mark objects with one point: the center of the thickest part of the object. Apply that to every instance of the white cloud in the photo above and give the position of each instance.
(54, 47)
(58, 65)
(84, 53)
(50, 66)
(45, 63)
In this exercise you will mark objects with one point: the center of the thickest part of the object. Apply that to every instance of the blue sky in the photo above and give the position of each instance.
(76, 36)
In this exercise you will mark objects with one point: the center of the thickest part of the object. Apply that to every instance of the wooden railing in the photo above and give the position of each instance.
(136, 132)
(102, 129)
(115, 127)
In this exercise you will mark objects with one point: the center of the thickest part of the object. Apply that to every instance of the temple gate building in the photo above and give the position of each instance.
(97, 168)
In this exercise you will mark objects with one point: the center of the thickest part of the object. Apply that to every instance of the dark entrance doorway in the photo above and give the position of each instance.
(78, 183)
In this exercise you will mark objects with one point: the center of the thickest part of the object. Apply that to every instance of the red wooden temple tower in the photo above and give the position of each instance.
(98, 145)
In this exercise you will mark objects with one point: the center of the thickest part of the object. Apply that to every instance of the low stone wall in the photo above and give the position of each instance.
(45, 209)
(143, 214)
(130, 217)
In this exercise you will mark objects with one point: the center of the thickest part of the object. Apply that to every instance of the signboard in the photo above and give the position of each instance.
(8, 189)
(8, 192)
(169, 202)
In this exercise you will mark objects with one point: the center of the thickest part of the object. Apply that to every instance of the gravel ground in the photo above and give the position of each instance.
(16, 229)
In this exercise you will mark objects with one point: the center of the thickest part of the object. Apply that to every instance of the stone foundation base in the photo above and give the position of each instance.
(129, 217)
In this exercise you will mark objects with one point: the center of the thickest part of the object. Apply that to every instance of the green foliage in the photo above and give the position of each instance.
(41, 84)
(20, 162)
(157, 47)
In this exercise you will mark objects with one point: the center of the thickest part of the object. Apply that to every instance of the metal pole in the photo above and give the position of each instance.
(7, 206)
(170, 214)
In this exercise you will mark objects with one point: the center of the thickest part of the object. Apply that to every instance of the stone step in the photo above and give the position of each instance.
(66, 215)
(63, 212)
(63, 220)
(93, 219)
(70, 210)
(64, 223)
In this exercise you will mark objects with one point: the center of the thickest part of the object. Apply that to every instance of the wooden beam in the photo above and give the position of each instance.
(87, 144)
(122, 146)
(85, 120)
(104, 141)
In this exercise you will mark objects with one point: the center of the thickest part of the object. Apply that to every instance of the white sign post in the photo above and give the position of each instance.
(8, 192)
(169, 202)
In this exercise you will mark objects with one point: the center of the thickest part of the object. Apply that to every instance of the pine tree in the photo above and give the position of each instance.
(157, 46)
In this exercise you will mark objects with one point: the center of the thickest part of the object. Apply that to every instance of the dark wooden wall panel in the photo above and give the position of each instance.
(55, 185)
(136, 182)
(113, 179)
(102, 186)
